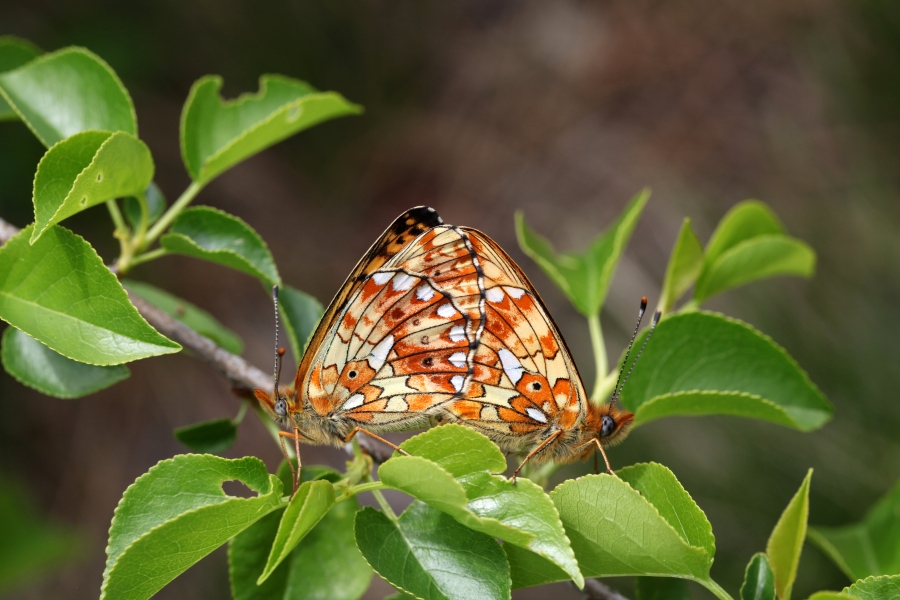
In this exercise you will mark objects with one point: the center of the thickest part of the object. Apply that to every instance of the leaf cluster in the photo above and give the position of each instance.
(469, 531)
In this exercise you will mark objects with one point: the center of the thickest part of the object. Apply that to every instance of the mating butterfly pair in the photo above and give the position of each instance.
(437, 324)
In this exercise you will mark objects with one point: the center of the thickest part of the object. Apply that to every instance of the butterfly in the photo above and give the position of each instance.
(437, 324)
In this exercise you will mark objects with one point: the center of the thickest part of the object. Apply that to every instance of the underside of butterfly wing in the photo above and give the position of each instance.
(448, 328)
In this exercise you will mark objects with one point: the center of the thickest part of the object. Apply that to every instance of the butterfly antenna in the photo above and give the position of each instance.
(656, 317)
(279, 352)
(630, 344)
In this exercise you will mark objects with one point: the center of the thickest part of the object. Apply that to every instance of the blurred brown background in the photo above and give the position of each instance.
(480, 108)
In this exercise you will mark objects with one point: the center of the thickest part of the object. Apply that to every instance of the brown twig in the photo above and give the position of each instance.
(595, 590)
(243, 376)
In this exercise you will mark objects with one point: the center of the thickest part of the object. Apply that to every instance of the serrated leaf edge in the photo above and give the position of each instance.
(270, 566)
(62, 52)
(655, 510)
(261, 275)
(805, 376)
(657, 399)
(107, 571)
(47, 392)
(700, 294)
(112, 134)
(263, 83)
(397, 524)
(176, 347)
(299, 102)
(688, 494)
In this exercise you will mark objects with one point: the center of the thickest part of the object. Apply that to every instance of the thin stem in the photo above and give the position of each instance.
(174, 210)
(121, 233)
(353, 490)
(599, 355)
(116, 215)
(145, 220)
(241, 412)
(715, 588)
(147, 257)
(382, 502)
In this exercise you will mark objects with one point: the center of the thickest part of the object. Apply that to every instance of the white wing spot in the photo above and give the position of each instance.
(511, 365)
(446, 310)
(424, 292)
(353, 401)
(536, 414)
(457, 333)
(380, 352)
(495, 295)
(458, 359)
(457, 381)
(381, 278)
(516, 293)
(402, 281)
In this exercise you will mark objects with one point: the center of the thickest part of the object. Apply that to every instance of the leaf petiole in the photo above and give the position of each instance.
(715, 588)
(600, 361)
(160, 226)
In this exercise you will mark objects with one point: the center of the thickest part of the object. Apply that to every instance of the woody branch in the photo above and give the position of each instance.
(244, 378)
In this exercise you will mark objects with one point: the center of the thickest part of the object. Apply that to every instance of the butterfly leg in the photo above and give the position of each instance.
(373, 436)
(540, 447)
(295, 473)
(602, 451)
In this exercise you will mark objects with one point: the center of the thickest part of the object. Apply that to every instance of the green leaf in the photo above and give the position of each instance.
(684, 267)
(175, 514)
(702, 363)
(87, 169)
(58, 291)
(585, 277)
(156, 206)
(196, 318)
(217, 134)
(750, 244)
(746, 220)
(428, 554)
(29, 545)
(786, 541)
(66, 92)
(311, 502)
(759, 581)
(37, 366)
(759, 258)
(14, 52)
(831, 596)
(616, 529)
(301, 315)
(214, 235)
(326, 566)
(451, 470)
(661, 488)
(661, 588)
(875, 588)
(209, 437)
(868, 548)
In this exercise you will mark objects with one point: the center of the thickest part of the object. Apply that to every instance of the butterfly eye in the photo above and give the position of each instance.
(608, 426)
(281, 407)
(352, 374)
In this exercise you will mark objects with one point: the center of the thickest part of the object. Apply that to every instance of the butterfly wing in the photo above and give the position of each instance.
(404, 228)
(525, 380)
(446, 325)
(401, 343)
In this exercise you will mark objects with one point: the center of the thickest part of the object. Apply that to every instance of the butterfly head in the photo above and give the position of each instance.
(608, 423)
(278, 408)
